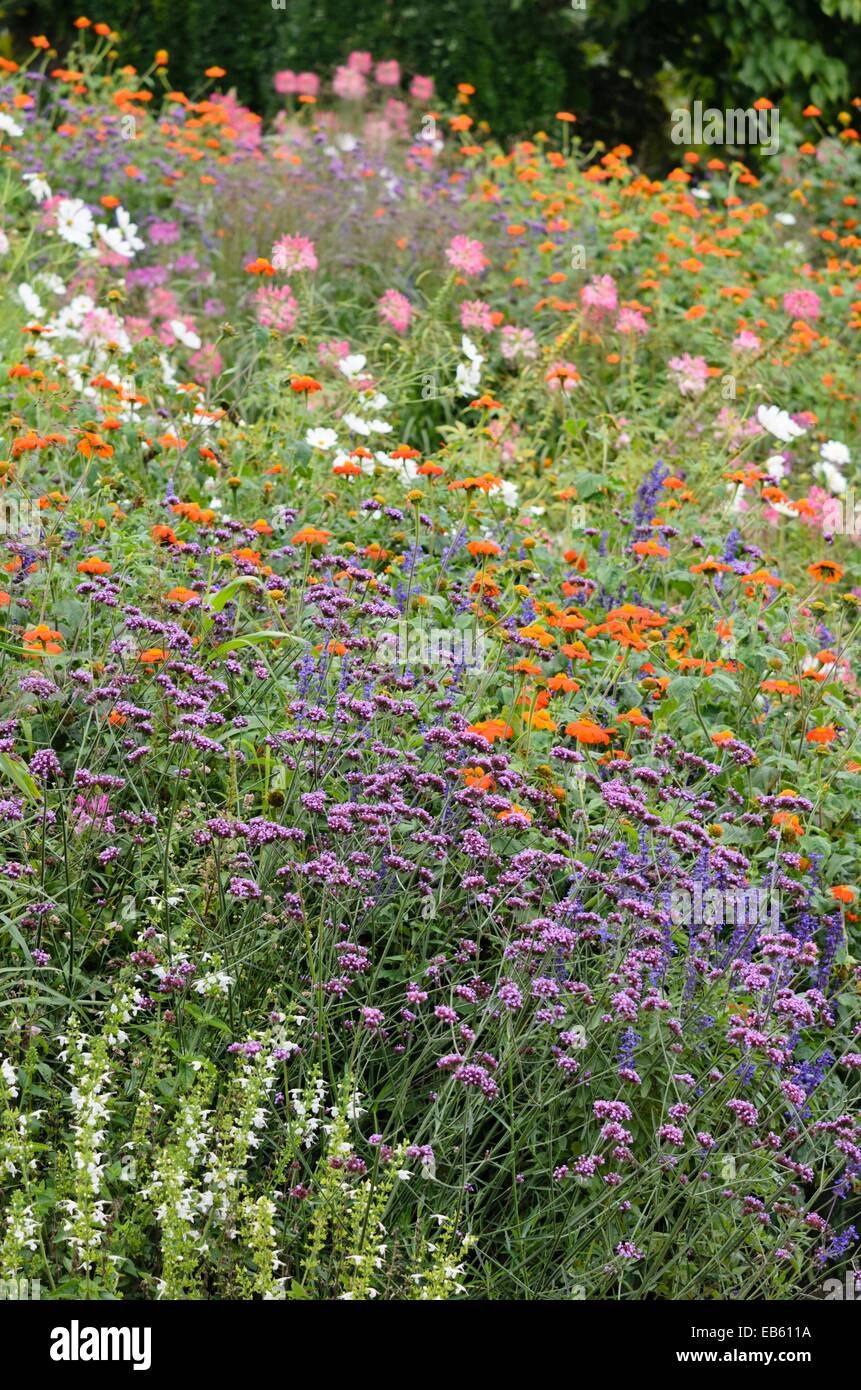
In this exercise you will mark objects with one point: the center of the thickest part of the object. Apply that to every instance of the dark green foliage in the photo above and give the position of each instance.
(618, 66)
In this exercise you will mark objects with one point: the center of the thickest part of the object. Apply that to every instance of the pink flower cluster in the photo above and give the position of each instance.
(292, 253)
(466, 255)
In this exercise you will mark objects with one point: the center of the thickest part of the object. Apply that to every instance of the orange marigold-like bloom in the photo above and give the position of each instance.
(534, 632)
(775, 687)
(42, 640)
(246, 554)
(92, 443)
(825, 572)
(643, 617)
(576, 559)
(768, 581)
(163, 535)
(636, 718)
(825, 733)
(650, 548)
(541, 720)
(477, 777)
(575, 651)
(587, 731)
(711, 566)
(311, 535)
(491, 729)
(94, 566)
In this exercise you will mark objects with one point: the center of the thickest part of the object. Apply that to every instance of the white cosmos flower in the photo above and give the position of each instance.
(4, 242)
(831, 476)
(168, 371)
(779, 423)
(38, 186)
(366, 427)
(468, 374)
(72, 315)
(406, 469)
(75, 222)
(321, 438)
(468, 378)
(510, 494)
(9, 127)
(351, 366)
(186, 336)
(775, 467)
(51, 282)
(835, 452)
(31, 301)
(129, 229)
(785, 219)
(122, 239)
(113, 239)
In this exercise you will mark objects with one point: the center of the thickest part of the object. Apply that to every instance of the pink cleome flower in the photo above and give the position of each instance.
(466, 255)
(293, 253)
(288, 83)
(802, 304)
(691, 373)
(349, 84)
(388, 74)
(476, 315)
(599, 297)
(518, 342)
(631, 321)
(360, 61)
(395, 309)
(276, 307)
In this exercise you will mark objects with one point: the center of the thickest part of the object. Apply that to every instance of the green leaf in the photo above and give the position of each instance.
(223, 596)
(251, 639)
(16, 771)
(208, 1020)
